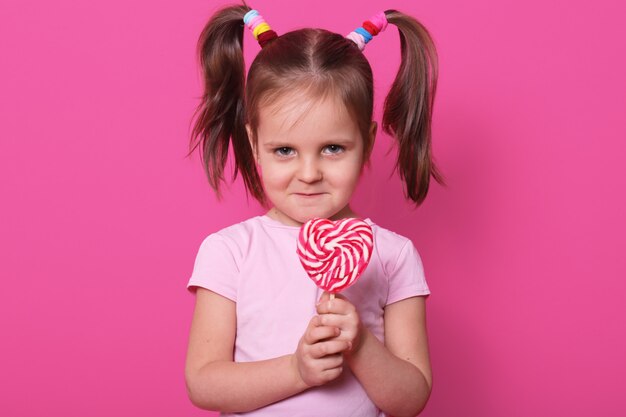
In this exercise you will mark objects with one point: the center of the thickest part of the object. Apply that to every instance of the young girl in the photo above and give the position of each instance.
(264, 340)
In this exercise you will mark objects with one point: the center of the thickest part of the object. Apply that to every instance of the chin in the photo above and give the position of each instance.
(322, 215)
(303, 216)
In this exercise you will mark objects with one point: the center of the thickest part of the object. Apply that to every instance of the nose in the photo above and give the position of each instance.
(309, 170)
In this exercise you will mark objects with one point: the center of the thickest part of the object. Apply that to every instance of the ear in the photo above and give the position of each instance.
(252, 142)
(372, 139)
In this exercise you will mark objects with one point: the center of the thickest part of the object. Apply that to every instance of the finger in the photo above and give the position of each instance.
(329, 347)
(327, 296)
(337, 306)
(335, 320)
(313, 323)
(321, 333)
(317, 331)
(329, 362)
(337, 295)
(324, 297)
(329, 374)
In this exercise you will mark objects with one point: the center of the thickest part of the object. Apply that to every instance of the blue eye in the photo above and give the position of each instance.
(283, 151)
(333, 149)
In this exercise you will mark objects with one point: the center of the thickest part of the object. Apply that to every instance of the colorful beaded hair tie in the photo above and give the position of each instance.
(370, 28)
(262, 32)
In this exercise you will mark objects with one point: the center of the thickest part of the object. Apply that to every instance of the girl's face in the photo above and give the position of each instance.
(310, 154)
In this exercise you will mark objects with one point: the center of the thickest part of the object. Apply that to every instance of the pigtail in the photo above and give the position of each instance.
(409, 104)
(221, 114)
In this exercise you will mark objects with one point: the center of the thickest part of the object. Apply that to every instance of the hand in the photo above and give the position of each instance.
(342, 314)
(318, 358)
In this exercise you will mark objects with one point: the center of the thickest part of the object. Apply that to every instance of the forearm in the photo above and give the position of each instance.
(238, 387)
(395, 385)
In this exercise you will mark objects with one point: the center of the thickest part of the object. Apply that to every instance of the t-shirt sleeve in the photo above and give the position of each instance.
(407, 278)
(215, 267)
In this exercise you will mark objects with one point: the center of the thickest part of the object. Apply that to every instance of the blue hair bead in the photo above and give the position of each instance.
(248, 16)
(366, 35)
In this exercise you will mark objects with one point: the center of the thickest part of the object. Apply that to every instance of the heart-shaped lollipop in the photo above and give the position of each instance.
(335, 253)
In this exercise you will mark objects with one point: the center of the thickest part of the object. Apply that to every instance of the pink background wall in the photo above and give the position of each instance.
(102, 215)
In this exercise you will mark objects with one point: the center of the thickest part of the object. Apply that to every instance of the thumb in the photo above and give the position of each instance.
(324, 297)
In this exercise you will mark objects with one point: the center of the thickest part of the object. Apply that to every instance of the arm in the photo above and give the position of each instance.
(396, 375)
(215, 382)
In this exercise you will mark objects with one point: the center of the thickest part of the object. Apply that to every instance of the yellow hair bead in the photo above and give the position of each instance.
(263, 27)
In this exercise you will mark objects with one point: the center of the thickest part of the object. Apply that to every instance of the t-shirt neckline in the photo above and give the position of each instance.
(275, 223)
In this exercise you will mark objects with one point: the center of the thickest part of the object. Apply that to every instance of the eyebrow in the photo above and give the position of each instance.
(333, 141)
(276, 145)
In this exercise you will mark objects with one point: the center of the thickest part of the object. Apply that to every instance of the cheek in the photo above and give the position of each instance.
(347, 173)
(273, 175)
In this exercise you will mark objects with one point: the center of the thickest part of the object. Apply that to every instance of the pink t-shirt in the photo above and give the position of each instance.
(254, 264)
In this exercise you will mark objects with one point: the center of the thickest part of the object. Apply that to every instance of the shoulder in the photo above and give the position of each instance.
(391, 247)
(387, 242)
(238, 232)
(241, 229)
(401, 264)
(387, 238)
(233, 239)
(220, 258)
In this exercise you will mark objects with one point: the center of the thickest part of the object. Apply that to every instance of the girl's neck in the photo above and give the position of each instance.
(275, 214)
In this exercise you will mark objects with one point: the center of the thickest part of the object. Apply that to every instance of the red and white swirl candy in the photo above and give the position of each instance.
(335, 253)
